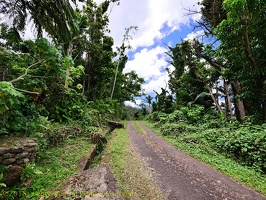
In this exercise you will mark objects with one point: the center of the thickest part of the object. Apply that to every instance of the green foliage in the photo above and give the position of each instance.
(157, 117)
(129, 113)
(11, 115)
(29, 170)
(104, 110)
(177, 129)
(242, 29)
(41, 80)
(190, 115)
(51, 134)
(131, 86)
(67, 105)
(245, 143)
(2, 184)
(164, 102)
(210, 8)
(188, 85)
(49, 175)
(36, 73)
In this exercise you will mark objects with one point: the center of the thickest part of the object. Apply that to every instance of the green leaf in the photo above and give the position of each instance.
(2, 185)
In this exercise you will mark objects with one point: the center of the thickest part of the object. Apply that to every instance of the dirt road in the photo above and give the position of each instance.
(181, 177)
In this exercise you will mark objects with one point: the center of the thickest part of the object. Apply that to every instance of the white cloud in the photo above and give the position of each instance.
(150, 64)
(133, 104)
(155, 20)
(150, 16)
(194, 35)
(157, 83)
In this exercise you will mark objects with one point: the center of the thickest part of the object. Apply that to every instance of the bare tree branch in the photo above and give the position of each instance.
(26, 91)
(207, 58)
(25, 74)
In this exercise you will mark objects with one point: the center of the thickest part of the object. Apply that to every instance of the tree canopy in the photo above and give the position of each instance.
(58, 77)
(232, 68)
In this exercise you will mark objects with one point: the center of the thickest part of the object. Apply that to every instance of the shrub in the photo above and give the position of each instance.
(177, 129)
(247, 144)
(11, 115)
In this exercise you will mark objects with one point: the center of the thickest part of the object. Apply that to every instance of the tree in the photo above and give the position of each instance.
(164, 102)
(57, 18)
(99, 67)
(213, 13)
(149, 101)
(46, 15)
(238, 27)
(31, 82)
(131, 87)
(243, 30)
(121, 53)
(187, 80)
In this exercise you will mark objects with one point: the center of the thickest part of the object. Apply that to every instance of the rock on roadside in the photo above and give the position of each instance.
(96, 183)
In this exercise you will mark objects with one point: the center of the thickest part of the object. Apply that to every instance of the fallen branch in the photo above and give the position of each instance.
(25, 74)
(26, 91)
(115, 124)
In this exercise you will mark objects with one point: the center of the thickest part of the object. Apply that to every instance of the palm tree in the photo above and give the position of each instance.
(45, 14)
(57, 18)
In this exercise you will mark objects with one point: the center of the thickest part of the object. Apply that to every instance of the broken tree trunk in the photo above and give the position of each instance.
(114, 124)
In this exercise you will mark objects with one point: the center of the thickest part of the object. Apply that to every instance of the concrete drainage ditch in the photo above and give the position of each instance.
(93, 183)
(100, 142)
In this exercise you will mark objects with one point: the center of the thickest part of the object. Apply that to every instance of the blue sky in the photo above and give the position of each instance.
(159, 22)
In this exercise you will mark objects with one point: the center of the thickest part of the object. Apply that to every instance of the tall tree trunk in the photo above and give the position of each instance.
(89, 70)
(217, 91)
(239, 102)
(228, 99)
(216, 102)
(214, 99)
(116, 72)
(69, 53)
(83, 85)
(247, 43)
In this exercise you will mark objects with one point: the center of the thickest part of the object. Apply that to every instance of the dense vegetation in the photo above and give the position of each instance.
(64, 83)
(71, 81)
(70, 76)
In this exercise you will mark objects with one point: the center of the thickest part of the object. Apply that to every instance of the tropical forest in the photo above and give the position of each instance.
(62, 97)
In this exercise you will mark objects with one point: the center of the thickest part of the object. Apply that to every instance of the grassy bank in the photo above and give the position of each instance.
(134, 181)
(242, 174)
(49, 174)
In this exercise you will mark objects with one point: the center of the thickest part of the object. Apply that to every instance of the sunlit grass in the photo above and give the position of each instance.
(139, 129)
(134, 181)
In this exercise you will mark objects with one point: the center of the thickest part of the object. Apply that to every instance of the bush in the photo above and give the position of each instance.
(247, 144)
(193, 115)
(11, 114)
(177, 129)
(64, 105)
(206, 137)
